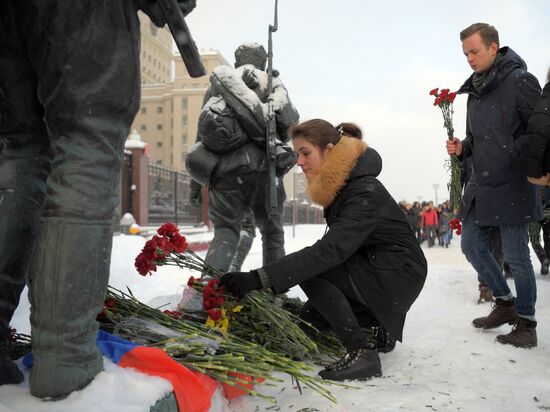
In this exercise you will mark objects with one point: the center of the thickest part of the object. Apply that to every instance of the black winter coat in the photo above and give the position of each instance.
(368, 233)
(497, 117)
(535, 143)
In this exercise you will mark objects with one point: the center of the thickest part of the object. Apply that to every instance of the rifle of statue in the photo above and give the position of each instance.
(182, 36)
(271, 133)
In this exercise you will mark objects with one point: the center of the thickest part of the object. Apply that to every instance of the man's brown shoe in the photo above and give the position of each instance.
(503, 311)
(523, 334)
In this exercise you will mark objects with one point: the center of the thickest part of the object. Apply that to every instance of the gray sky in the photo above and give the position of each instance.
(374, 62)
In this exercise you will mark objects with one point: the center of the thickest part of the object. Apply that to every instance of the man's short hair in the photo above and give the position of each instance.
(487, 33)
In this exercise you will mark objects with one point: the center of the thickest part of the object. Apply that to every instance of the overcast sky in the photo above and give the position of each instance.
(374, 62)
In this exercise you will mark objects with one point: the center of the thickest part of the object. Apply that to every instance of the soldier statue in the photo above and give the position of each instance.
(230, 157)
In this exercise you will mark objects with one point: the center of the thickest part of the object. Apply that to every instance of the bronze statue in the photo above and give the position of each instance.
(69, 91)
(230, 155)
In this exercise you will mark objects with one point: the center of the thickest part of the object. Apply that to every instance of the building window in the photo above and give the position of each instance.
(159, 144)
(143, 127)
(158, 162)
(184, 103)
(184, 121)
(143, 110)
(159, 109)
(159, 127)
(184, 138)
(195, 85)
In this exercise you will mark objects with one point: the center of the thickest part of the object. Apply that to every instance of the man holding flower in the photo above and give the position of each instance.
(501, 96)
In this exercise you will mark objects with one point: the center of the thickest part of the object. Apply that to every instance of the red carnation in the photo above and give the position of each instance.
(215, 314)
(434, 91)
(145, 265)
(178, 243)
(191, 281)
(109, 303)
(444, 93)
(456, 225)
(168, 229)
(172, 313)
(451, 97)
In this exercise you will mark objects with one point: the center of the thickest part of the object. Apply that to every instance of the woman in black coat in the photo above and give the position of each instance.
(368, 262)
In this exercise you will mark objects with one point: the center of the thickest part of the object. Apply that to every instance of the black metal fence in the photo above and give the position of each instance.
(302, 213)
(169, 193)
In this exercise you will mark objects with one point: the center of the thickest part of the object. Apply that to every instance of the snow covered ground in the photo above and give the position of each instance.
(444, 363)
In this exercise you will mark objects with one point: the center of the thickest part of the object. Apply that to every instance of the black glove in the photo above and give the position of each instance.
(239, 283)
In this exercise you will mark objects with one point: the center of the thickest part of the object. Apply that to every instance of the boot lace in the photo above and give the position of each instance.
(347, 360)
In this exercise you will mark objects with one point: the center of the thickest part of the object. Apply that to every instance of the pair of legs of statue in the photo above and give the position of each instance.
(233, 200)
(69, 91)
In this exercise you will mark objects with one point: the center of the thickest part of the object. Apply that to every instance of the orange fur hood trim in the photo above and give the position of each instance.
(335, 170)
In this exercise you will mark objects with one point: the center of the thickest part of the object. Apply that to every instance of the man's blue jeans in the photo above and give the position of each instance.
(515, 247)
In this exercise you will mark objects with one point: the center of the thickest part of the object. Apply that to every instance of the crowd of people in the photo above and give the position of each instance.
(430, 223)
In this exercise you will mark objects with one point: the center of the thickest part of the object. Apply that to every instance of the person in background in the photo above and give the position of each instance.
(417, 212)
(367, 261)
(535, 163)
(501, 96)
(444, 228)
(429, 223)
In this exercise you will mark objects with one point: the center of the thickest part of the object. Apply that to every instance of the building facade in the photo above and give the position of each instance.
(169, 112)
(156, 52)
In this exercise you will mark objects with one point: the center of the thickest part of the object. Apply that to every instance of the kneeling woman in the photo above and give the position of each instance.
(367, 262)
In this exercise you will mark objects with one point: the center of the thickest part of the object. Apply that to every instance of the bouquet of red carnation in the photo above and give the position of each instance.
(264, 321)
(169, 248)
(444, 99)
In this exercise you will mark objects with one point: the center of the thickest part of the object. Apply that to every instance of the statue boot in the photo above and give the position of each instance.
(222, 249)
(67, 286)
(245, 244)
(23, 174)
(272, 254)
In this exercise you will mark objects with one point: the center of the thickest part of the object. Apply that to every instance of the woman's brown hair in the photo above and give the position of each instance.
(321, 133)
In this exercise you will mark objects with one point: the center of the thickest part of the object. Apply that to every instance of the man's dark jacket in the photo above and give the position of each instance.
(497, 117)
(535, 143)
(370, 236)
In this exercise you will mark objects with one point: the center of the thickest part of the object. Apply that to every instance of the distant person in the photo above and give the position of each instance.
(429, 223)
(367, 261)
(501, 96)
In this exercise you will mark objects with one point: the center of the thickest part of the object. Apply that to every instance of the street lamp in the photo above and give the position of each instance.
(436, 186)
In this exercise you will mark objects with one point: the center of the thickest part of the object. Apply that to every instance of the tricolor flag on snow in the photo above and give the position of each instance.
(193, 390)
